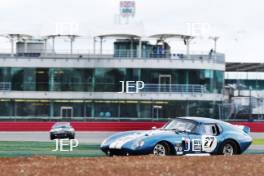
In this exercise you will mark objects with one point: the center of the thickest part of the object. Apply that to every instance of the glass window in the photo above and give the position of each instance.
(5, 75)
(106, 109)
(34, 108)
(108, 80)
(128, 110)
(72, 79)
(42, 79)
(145, 109)
(6, 108)
(23, 79)
(210, 129)
(175, 109)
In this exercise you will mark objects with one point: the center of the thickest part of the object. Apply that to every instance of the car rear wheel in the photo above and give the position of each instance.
(161, 149)
(229, 148)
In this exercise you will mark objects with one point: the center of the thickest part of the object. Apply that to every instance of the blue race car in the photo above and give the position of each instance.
(181, 136)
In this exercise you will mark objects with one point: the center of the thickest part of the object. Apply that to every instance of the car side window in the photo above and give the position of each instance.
(211, 129)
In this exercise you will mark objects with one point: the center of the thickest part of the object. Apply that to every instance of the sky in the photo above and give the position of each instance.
(238, 23)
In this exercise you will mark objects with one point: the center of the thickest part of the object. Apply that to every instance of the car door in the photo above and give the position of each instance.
(204, 139)
(194, 141)
(210, 137)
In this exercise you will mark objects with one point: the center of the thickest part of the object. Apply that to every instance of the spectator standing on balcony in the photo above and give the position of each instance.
(210, 53)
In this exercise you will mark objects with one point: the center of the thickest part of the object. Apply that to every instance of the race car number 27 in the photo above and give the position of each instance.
(209, 143)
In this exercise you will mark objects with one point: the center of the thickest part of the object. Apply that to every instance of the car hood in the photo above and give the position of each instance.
(125, 137)
(147, 133)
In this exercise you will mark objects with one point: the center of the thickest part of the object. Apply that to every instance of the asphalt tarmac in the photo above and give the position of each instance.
(83, 137)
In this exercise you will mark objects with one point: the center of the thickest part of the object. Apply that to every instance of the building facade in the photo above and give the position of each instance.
(247, 82)
(51, 86)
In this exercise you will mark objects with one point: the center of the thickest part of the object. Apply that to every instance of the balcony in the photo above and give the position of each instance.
(108, 87)
(118, 54)
(172, 88)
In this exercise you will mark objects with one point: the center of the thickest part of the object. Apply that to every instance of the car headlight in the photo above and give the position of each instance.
(141, 143)
(138, 144)
(54, 130)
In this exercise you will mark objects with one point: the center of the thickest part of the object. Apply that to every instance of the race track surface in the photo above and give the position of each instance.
(250, 165)
(86, 137)
(83, 137)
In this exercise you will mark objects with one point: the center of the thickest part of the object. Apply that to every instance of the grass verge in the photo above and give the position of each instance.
(26, 148)
(258, 141)
(21, 148)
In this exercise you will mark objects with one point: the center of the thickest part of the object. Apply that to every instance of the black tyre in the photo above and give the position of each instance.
(162, 149)
(229, 148)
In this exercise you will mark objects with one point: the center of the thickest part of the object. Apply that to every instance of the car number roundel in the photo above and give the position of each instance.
(209, 143)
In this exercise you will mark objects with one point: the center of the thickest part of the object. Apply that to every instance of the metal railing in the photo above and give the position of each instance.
(120, 54)
(174, 88)
(107, 87)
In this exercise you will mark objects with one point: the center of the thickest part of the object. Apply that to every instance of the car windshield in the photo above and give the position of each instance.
(180, 125)
(61, 126)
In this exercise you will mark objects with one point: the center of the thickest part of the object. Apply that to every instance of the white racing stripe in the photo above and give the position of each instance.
(118, 143)
(198, 154)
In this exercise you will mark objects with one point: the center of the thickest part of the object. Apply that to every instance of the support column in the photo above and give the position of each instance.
(101, 45)
(51, 79)
(51, 108)
(131, 48)
(139, 74)
(215, 42)
(140, 49)
(94, 45)
(12, 46)
(188, 48)
(119, 110)
(187, 80)
(71, 43)
(72, 38)
(212, 81)
(53, 44)
(92, 110)
(187, 108)
(138, 110)
(93, 80)
(25, 46)
(15, 109)
(45, 46)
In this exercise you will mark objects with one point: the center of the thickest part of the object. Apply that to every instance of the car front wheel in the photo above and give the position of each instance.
(161, 149)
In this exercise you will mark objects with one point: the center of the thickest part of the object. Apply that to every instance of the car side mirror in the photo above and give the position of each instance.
(154, 128)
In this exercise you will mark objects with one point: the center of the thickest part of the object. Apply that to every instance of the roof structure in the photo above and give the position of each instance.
(244, 67)
(62, 35)
(134, 36)
(166, 36)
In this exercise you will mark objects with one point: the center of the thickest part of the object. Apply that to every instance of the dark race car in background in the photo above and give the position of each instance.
(62, 130)
(181, 136)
